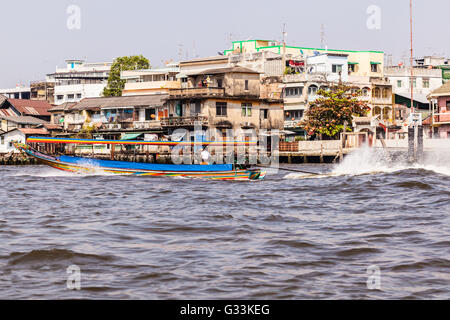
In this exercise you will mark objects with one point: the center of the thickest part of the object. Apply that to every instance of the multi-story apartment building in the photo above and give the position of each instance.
(360, 63)
(79, 80)
(224, 98)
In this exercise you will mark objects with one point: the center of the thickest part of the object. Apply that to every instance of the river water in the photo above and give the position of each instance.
(365, 229)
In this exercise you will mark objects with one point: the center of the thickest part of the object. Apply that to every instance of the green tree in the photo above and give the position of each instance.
(336, 106)
(115, 85)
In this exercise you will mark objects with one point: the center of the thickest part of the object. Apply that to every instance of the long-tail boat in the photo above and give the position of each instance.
(89, 165)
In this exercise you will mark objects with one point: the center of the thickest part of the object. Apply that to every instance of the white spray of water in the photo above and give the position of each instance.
(368, 160)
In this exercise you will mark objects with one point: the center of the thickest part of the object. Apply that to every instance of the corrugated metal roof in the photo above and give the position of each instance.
(62, 107)
(33, 107)
(33, 131)
(442, 91)
(117, 102)
(23, 119)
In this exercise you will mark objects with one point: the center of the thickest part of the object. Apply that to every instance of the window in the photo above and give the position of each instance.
(196, 108)
(399, 83)
(149, 113)
(78, 95)
(221, 109)
(2, 140)
(374, 67)
(59, 97)
(448, 105)
(246, 84)
(219, 83)
(376, 93)
(351, 67)
(294, 115)
(246, 109)
(294, 92)
(365, 92)
(184, 80)
(312, 90)
(414, 84)
(264, 113)
(426, 83)
(336, 68)
(70, 96)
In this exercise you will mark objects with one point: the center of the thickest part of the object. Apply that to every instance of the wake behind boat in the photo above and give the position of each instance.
(88, 165)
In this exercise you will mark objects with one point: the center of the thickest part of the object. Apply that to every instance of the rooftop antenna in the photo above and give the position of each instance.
(194, 50)
(284, 46)
(322, 36)
(180, 52)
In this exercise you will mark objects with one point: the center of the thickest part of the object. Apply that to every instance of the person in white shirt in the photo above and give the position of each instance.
(206, 157)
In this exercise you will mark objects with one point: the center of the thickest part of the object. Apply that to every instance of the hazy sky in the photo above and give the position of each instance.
(35, 36)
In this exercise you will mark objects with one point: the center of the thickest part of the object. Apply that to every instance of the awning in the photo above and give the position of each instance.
(372, 62)
(130, 136)
(177, 136)
(422, 98)
(353, 63)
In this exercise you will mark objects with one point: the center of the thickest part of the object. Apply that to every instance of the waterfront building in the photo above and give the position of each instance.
(424, 82)
(224, 98)
(302, 71)
(18, 135)
(116, 115)
(440, 112)
(79, 80)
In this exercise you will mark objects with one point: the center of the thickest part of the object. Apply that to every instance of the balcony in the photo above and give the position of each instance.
(292, 124)
(151, 85)
(184, 121)
(379, 100)
(197, 92)
(147, 125)
(442, 118)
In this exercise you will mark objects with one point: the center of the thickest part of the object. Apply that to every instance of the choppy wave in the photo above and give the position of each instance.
(165, 238)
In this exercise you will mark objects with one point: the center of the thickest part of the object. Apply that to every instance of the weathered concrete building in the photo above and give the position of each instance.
(225, 98)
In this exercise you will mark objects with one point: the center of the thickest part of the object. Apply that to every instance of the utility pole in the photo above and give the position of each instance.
(412, 62)
(284, 47)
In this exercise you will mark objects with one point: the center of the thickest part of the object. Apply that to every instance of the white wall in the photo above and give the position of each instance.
(86, 90)
(323, 64)
(8, 137)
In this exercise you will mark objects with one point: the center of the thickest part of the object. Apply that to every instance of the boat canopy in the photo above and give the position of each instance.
(138, 142)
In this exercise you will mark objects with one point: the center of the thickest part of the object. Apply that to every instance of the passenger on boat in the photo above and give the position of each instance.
(206, 157)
